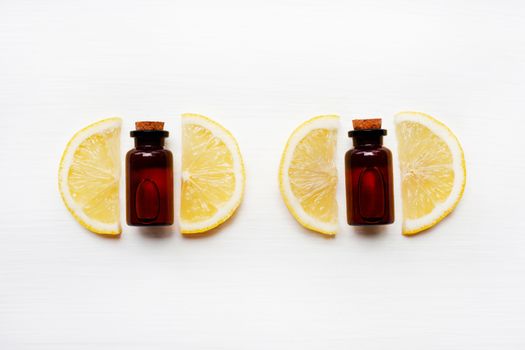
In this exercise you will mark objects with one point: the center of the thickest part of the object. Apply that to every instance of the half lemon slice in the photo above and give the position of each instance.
(212, 174)
(433, 172)
(308, 174)
(89, 176)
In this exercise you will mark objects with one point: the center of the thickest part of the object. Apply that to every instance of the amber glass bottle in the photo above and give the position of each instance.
(149, 177)
(368, 173)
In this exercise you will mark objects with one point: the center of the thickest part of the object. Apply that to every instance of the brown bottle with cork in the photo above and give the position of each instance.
(149, 177)
(368, 175)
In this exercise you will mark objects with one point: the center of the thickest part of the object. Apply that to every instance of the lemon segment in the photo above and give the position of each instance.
(212, 174)
(308, 174)
(432, 167)
(89, 176)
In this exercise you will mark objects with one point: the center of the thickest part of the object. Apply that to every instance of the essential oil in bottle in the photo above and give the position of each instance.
(149, 177)
(368, 175)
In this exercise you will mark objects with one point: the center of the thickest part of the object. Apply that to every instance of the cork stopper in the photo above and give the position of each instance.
(366, 124)
(148, 125)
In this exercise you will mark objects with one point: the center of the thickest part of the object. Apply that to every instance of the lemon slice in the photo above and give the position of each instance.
(212, 174)
(308, 174)
(89, 175)
(433, 172)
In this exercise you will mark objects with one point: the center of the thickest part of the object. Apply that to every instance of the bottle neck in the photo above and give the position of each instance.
(368, 141)
(367, 138)
(149, 142)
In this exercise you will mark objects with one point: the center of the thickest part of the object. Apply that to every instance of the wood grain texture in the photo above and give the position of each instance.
(261, 68)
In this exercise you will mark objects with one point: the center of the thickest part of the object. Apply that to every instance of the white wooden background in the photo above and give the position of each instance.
(260, 68)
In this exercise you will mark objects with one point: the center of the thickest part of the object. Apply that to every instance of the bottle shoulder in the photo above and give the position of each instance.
(369, 155)
(149, 151)
(368, 151)
(160, 153)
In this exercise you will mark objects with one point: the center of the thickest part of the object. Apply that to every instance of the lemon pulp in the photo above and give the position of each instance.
(212, 174)
(89, 176)
(432, 170)
(308, 174)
